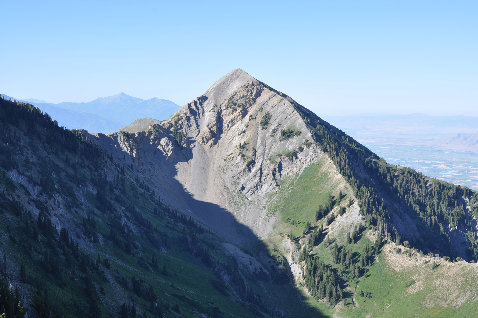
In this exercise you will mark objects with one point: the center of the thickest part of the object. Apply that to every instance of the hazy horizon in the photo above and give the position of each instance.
(34, 100)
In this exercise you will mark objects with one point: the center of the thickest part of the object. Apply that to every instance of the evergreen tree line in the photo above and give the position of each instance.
(53, 256)
(41, 129)
(327, 283)
(11, 305)
(436, 206)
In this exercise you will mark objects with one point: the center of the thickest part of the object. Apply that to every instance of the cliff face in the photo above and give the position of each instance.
(247, 139)
(232, 146)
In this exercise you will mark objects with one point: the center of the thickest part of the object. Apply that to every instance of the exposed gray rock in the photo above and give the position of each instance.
(230, 148)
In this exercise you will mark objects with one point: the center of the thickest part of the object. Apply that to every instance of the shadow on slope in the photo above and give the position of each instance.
(267, 277)
(283, 299)
(277, 287)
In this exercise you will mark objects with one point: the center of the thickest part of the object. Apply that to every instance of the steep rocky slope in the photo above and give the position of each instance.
(234, 146)
(244, 151)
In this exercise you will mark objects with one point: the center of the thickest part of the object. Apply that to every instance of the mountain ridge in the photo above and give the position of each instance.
(293, 201)
(243, 145)
(200, 123)
(227, 102)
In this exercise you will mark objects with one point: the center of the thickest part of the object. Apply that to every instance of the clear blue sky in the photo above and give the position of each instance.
(331, 56)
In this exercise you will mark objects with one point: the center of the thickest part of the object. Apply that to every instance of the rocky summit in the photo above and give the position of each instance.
(242, 204)
(230, 147)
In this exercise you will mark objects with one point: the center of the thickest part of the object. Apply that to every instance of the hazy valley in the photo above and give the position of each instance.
(444, 147)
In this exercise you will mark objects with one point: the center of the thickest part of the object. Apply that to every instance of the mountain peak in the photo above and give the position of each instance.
(229, 83)
(236, 76)
(121, 97)
(237, 71)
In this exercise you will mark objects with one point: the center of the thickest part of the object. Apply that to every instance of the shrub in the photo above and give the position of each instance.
(291, 155)
(289, 133)
(265, 120)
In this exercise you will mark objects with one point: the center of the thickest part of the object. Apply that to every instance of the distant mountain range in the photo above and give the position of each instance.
(463, 142)
(106, 114)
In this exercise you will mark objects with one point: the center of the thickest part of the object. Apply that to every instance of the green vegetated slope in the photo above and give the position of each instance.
(360, 275)
(299, 198)
(347, 262)
(394, 197)
(82, 235)
(351, 271)
(405, 283)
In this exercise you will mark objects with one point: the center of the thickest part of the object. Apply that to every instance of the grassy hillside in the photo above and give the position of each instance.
(349, 269)
(299, 198)
(405, 283)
